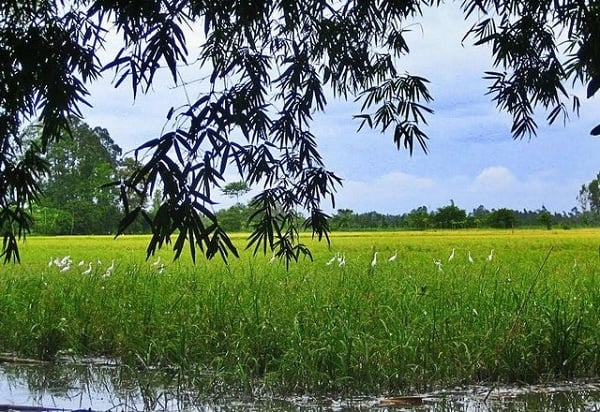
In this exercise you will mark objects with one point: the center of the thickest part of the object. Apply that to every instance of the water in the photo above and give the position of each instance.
(101, 386)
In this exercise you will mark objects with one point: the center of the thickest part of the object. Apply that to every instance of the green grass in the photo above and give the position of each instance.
(531, 314)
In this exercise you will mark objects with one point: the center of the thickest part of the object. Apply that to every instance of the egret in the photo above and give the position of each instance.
(110, 269)
(451, 255)
(393, 257)
(374, 261)
(490, 256)
(65, 261)
(438, 263)
(470, 257)
(88, 270)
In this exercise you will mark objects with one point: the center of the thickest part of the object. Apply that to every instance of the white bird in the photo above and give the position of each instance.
(490, 256)
(65, 261)
(438, 263)
(330, 261)
(88, 270)
(340, 257)
(110, 269)
(451, 255)
(374, 261)
(470, 257)
(393, 257)
(342, 261)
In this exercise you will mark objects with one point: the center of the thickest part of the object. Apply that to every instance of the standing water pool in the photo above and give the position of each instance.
(102, 386)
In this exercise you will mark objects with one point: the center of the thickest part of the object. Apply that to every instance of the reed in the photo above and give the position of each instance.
(527, 315)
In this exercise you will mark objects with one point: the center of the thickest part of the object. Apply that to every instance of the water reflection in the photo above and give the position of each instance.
(101, 386)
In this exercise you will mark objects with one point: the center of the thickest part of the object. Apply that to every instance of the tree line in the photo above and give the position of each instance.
(79, 199)
(236, 218)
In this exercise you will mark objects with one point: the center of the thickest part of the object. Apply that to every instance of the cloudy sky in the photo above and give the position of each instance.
(472, 160)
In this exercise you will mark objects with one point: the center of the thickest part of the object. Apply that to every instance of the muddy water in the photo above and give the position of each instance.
(100, 386)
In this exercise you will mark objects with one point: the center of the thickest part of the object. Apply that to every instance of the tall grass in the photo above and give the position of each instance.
(528, 315)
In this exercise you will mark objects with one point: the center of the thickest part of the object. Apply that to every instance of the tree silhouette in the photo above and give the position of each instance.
(236, 189)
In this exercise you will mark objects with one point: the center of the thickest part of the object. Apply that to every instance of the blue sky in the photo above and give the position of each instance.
(472, 158)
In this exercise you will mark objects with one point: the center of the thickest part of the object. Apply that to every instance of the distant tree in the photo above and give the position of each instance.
(236, 189)
(478, 216)
(344, 219)
(235, 218)
(545, 218)
(450, 216)
(502, 218)
(589, 200)
(418, 218)
(589, 196)
(81, 164)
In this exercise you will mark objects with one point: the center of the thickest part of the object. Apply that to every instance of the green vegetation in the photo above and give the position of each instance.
(530, 314)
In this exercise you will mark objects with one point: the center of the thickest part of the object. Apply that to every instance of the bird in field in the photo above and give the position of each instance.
(438, 263)
(330, 261)
(374, 261)
(393, 257)
(451, 255)
(110, 269)
(88, 270)
(66, 261)
(470, 257)
(490, 256)
(342, 261)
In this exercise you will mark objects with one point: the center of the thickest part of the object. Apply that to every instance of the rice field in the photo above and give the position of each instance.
(528, 312)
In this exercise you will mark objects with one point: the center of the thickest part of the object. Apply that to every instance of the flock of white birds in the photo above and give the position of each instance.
(65, 264)
(340, 259)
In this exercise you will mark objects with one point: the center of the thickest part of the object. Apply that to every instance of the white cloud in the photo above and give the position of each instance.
(493, 179)
(399, 181)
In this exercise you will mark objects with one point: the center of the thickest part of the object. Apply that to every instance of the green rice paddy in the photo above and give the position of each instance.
(530, 314)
